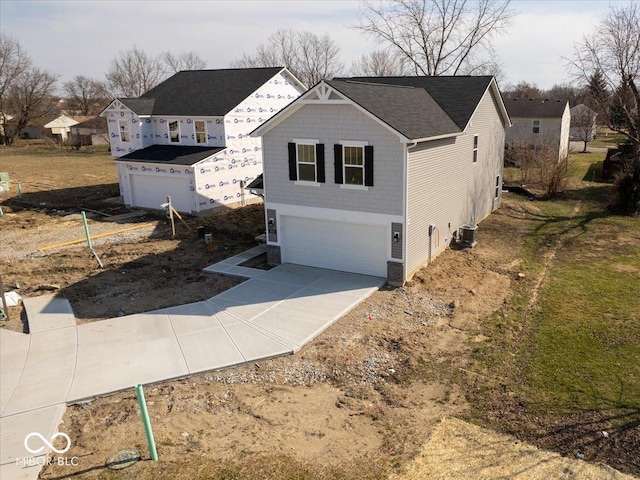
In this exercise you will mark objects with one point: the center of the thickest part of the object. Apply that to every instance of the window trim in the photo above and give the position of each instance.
(476, 143)
(358, 144)
(307, 143)
(177, 122)
(345, 166)
(124, 127)
(204, 132)
(535, 124)
(319, 161)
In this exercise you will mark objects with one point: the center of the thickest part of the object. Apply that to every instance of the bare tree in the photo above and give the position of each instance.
(310, 58)
(133, 73)
(87, 96)
(566, 91)
(14, 62)
(539, 162)
(175, 63)
(380, 63)
(26, 92)
(583, 124)
(30, 97)
(613, 50)
(437, 37)
(522, 89)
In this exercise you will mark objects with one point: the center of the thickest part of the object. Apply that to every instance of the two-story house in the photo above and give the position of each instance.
(377, 175)
(188, 137)
(539, 123)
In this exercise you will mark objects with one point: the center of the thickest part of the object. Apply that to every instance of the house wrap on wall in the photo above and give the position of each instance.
(539, 122)
(376, 175)
(188, 137)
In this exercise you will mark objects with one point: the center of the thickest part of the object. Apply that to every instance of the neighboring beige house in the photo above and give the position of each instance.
(90, 132)
(377, 175)
(539, 122)
(61, 126)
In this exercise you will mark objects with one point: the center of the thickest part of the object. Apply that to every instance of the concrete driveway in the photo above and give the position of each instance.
(274, 313)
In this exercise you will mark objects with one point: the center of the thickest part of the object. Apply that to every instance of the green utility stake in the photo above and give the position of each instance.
(147, 423)
(86, 230)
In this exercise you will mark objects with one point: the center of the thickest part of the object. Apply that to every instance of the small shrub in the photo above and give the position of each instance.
(626, 188)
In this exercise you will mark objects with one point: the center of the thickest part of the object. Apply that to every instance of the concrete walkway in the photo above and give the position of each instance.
(274, 313)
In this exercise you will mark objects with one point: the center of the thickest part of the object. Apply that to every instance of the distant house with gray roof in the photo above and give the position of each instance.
(188, 137)
(377, 175)
(539, 122)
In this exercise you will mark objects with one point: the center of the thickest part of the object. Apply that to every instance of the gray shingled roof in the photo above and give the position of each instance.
(458, 96)
(201, 92)
(142, 106)
(408, 110)
(534, 107)
(171, 154)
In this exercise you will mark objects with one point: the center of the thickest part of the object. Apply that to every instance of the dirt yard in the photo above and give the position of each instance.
(357, 402)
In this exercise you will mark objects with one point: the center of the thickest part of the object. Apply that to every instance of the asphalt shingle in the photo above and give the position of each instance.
(201, 92)
(407, 109)
(458, 96)
(171, 154)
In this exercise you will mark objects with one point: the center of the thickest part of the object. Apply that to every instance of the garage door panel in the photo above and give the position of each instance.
(151, 191)
(334, 245)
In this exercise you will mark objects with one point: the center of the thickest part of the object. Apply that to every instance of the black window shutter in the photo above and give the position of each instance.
(320, 162)
(337, 160)
(293, 168)
(368, 165)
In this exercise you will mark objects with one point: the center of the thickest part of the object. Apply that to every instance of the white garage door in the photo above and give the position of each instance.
(334, 245)
(151, 191)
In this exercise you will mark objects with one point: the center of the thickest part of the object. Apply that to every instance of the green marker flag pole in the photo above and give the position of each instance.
(147, 423)
(86, 230)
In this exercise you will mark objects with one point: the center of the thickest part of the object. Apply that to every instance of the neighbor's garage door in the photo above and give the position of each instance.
(151, 191)
(334, 245)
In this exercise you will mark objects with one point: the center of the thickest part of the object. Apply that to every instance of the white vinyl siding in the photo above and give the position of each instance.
(446, 190)
(332, 125)
(342, 246)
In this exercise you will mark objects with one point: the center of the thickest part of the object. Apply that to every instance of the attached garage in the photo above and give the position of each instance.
(346, 247)
(147, 176)
(150, 191)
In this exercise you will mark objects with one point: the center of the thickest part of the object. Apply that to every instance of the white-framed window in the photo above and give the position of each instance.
(174, 131)
(475, 147)
(125, 130)
(353, 164)
(201, 131)
(497, 192)
(306, 162)
(535, 126)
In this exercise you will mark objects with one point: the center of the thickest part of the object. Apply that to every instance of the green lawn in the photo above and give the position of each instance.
(585, 350)
(580, 350)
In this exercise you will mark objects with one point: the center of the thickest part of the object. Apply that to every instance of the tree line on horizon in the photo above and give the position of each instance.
(415, 37)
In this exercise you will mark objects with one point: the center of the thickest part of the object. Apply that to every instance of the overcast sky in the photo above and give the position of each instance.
(72, 38)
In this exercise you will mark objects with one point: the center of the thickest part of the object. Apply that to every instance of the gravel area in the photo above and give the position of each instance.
(26, 242)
